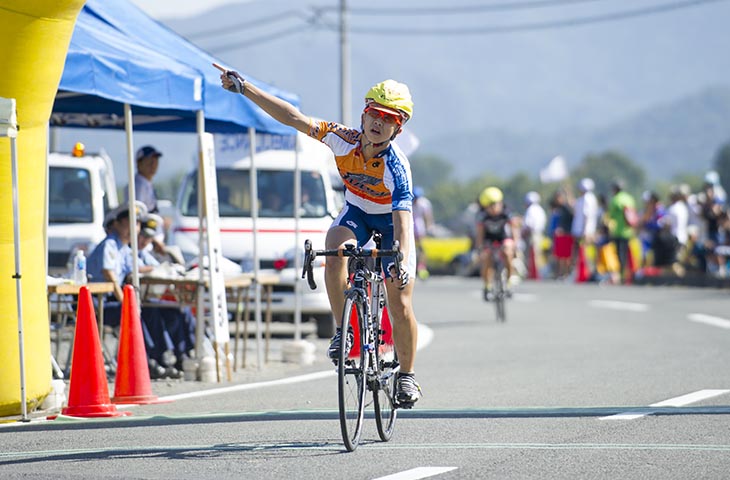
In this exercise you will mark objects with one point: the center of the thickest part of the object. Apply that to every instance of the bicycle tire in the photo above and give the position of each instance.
(499, 292)
(386, 361)
(351, 386)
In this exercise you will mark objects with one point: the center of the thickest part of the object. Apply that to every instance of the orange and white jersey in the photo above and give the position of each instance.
(376, 185)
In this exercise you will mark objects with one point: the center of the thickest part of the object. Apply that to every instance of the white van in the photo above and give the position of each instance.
(276, 241)
(81, 189)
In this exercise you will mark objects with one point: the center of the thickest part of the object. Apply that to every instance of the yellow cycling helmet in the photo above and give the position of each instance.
(392, 95)
(489, 196)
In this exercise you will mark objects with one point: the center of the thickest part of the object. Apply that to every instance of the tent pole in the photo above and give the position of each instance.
(17, 276)
(253, 180)
(200, 310)
(132, 195)
(297, 241)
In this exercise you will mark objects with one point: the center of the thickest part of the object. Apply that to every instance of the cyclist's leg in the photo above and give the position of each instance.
(348, 227)
(487, 271)
(403, 320)
(335, 273)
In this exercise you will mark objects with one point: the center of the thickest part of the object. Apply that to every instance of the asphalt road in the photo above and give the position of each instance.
(582, 381)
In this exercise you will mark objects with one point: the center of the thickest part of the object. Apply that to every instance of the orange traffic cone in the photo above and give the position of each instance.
(582, 274)
(532, 270)
(133, 376)
(88, 390)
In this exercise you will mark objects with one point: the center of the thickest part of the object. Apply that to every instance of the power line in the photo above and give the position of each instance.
(323, 10)
(533, 26)
(313, 22)
(461, 9)
(261, 39)
(252, 24)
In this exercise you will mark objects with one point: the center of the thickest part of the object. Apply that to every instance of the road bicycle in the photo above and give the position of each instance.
(372, 363)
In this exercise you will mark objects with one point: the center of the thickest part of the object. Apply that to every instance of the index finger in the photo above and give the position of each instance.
(222, 69)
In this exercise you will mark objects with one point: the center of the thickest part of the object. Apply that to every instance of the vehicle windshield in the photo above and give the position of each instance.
(275, 193)
(69, 191)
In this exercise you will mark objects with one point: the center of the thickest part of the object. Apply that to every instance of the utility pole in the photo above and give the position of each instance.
(345, 108)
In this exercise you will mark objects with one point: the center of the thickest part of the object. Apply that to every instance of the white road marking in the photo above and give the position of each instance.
(672, 402)
(615, 305)
(416, 473)
(425, 336)
(709, 320)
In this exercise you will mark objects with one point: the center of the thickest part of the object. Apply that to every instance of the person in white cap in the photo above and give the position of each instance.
(713, 178)
(533, 226)
(585, 216)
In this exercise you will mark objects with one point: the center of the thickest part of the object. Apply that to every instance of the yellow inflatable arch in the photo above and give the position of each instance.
(34, 39)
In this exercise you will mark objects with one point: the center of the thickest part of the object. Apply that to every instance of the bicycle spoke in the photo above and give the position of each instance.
(351, 385)
(386, 367)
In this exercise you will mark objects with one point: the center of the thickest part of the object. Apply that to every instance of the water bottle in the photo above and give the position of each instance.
(79, 268)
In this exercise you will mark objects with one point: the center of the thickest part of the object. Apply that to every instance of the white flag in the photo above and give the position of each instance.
(555, 171)
(408, 142)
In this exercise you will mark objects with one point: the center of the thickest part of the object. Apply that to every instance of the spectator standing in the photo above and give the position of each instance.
(422, 225)
(650, 227)
(713, 178)
(678, 218)
(533, 229)
(561, 221)
(620, 231)
(148, 161)
(585, 217)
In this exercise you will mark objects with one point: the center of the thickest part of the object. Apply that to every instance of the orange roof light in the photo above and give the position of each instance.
(79, 150)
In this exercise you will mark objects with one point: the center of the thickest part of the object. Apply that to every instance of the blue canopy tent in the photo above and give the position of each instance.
(105, 70)
(219, 105)
(224, 113)
(119, 58)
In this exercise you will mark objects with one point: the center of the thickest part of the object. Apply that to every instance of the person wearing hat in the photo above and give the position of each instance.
(378, 195)
(533, 228)
(171, 330)
(148, 160)
(107, 262)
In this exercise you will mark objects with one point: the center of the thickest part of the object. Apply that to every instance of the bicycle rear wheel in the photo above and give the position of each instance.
(351, 386)
(386, 363)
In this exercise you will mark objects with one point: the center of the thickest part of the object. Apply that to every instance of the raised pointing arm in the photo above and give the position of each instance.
(280, 110)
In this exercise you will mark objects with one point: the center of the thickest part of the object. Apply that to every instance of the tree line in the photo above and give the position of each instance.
(450, 196)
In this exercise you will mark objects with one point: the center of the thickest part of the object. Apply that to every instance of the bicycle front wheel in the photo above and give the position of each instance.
(384, 391)
(351, 386)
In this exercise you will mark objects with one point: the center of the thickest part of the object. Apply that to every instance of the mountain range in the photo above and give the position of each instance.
(504, 90)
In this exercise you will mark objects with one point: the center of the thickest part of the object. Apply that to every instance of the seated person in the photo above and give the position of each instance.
(111, 262)
(172, 329)
(494, 226)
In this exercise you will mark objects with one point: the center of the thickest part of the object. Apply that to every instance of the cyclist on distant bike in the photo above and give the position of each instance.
(494, 230)
(379, 195)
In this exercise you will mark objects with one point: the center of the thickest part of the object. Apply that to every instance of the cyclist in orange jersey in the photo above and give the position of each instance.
(379, 195)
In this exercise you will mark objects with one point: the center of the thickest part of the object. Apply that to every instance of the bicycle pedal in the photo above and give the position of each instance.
(405, 405)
